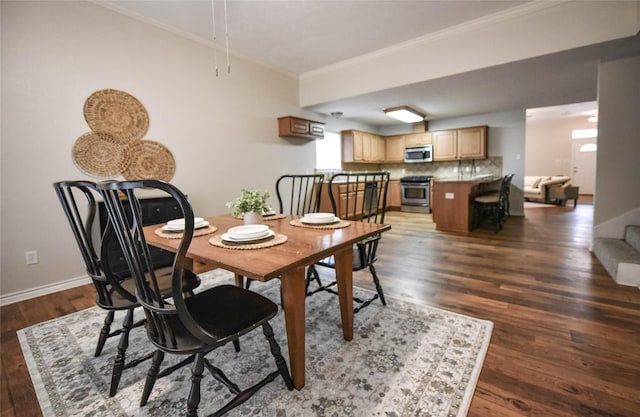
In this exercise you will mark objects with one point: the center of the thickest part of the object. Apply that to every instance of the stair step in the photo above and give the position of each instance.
(632, 236)
(612, 252)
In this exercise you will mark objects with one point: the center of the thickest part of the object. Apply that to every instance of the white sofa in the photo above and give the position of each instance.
(538, 187)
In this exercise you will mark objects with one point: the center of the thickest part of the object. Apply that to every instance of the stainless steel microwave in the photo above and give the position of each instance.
(423, 153)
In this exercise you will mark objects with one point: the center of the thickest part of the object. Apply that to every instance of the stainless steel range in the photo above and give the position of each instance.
(415, 194)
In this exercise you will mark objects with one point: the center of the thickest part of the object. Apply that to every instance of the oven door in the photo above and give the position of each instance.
(415, 194)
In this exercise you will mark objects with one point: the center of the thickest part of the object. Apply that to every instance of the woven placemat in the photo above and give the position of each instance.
(337, 225)
(266, 218)
(117, 113)
(178, 235)
(99, 155)
(277, 239)
(150, 160)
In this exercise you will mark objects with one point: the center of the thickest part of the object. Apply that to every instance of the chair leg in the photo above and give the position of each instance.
(277, 355)
(196, 376)
(312, 273)
(104, 333)
(376, 281)
(118, 364)
(152, 376)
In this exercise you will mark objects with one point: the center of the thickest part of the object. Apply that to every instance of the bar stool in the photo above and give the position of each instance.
(493, 206)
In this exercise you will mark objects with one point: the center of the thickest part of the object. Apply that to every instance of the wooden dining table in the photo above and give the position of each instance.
(287, 261)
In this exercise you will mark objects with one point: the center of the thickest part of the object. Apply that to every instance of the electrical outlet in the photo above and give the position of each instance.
(31, 257)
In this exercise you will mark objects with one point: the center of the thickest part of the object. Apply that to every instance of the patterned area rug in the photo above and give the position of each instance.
(404, 360)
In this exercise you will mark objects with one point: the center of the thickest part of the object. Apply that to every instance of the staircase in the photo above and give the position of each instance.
(621, 257)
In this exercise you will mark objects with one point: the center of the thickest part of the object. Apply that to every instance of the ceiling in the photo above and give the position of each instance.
(305, 35)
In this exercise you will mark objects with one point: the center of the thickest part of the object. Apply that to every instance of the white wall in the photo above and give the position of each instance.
(549, 145)
(617, 201)
(222, 131)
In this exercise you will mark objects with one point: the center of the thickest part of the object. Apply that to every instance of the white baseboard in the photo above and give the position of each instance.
(43, 290)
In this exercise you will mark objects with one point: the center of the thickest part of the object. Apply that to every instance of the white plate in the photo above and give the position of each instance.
(308, 220)
(180, 222)
(180, 227)
(225, 236)
(268, 213)
(319, 216)
(248, 231)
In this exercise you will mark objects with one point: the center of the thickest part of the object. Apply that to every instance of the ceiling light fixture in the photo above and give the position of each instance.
(405, 114)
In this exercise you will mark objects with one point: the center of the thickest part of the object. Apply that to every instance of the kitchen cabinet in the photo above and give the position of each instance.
(445, 146)
(359, 146)
(295, 127)
(394, 148)
(394, 195)
(457, 144)
(418, 139)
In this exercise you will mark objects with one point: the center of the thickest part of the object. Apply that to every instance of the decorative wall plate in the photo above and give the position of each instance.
(117, 113)
(99, 155)
(150, 160)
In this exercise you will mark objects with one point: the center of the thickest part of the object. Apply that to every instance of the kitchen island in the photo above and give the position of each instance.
(452, 201)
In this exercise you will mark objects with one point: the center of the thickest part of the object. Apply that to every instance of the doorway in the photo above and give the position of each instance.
(583, 162)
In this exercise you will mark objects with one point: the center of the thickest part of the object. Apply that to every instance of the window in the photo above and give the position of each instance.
(589, 147)
(584, 133)
(329, 151)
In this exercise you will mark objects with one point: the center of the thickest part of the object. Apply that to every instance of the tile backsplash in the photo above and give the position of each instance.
(450, 169)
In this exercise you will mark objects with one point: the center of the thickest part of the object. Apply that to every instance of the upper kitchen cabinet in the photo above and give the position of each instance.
(455, 144)
(359, 146)
(418, 139)
(295, 127)
(395, 148)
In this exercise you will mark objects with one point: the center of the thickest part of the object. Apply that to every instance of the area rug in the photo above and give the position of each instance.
(404, 360)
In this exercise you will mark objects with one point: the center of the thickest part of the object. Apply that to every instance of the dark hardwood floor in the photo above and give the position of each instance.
(566, 338)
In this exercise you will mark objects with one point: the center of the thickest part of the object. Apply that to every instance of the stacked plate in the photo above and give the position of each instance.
(319, 218)
(177, 225)
(248, 233)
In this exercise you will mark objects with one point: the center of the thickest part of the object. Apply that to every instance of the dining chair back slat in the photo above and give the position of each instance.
(299, 194)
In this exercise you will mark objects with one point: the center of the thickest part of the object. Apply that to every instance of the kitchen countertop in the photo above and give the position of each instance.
(477, 179)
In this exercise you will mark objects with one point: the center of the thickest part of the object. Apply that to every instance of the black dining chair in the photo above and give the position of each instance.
(187, 325)
(113, 292)
(493, 207)
(297, 194)
(356, 197)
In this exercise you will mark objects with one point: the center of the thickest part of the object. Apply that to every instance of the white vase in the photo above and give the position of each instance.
(252, 217)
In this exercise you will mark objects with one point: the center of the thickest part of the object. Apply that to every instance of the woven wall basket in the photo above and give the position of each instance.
(100, 155)
(150, 160)
(117, 113)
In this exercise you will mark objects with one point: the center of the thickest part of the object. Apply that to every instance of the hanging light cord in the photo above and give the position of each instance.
(226, 36)
(215, 50)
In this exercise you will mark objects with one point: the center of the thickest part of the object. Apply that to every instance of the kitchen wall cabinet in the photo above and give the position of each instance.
(472, 143)
(394, 148)
(456, 144)
(418, 139)
(295, 127)
(359, 146)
